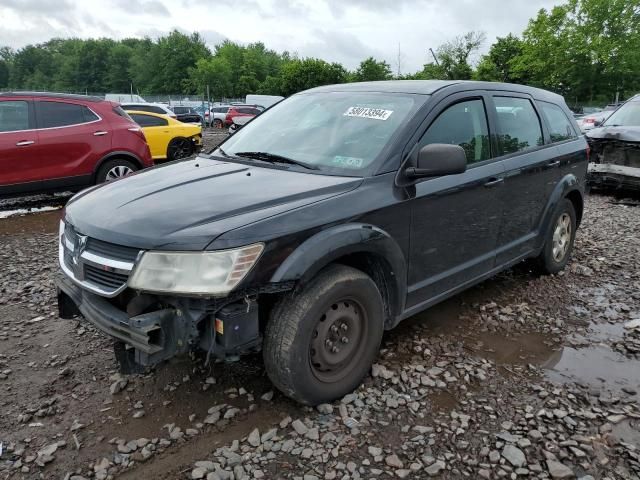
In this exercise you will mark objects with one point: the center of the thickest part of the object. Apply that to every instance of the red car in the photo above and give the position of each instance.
(52, 142)
(241, 111)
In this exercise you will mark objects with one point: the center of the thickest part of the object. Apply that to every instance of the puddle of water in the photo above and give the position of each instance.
(46, 222)
(597, 366)
(625, 432)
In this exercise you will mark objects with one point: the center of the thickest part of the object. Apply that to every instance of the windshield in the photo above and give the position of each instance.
(628, 115)
(339, 133)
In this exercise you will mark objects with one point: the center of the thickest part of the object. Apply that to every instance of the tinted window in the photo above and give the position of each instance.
(559, 126)
(148, 120)
(518, 124)
(249, 111)
(121, 112)
(14, 116)
(61, 114)
(463, 124)
(89, 116)
(181, 110)
(221, 110)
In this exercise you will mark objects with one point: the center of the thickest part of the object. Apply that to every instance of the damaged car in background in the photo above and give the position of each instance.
(308, 239)
(615, 149)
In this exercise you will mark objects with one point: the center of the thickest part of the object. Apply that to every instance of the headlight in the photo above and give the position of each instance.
(198, 273)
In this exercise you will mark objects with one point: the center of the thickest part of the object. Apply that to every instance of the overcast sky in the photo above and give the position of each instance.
(345, 31)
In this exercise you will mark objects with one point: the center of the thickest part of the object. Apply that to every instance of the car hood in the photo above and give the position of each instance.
(623, 134)
(186, 205)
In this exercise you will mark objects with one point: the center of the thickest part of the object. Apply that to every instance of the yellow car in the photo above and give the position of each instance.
(167, 137)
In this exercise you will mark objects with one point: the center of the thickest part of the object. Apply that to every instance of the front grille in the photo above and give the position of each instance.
(99, 266)
(109, 250)
(109, 280)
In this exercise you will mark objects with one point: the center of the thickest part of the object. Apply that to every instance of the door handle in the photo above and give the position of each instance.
(493, 182)
(553, 163)
(24, 143)
(100, 133)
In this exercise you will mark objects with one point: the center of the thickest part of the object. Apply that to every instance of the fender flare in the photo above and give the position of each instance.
(565, 187)
(335, 242)
(118, 153)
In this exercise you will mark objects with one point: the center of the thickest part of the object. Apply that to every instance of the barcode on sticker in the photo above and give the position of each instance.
(362, 112)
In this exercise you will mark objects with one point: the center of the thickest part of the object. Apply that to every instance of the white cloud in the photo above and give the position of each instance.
(335, 30)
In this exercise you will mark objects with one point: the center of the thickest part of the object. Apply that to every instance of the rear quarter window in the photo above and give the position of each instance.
(560, 128)
(519, 127)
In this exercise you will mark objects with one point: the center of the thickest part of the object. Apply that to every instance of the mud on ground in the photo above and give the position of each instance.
(519, 377)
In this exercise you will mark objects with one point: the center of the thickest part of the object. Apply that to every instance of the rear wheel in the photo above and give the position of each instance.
(559, 239)
(217, 123)
(320, 342)
(115, 169)
(179, 148)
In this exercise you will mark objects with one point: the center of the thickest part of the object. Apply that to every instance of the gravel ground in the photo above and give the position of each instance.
(519, 377)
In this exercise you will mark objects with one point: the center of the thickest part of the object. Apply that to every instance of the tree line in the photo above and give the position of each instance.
(586, 50)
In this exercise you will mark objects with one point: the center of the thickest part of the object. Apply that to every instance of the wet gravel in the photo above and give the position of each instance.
(519, 377)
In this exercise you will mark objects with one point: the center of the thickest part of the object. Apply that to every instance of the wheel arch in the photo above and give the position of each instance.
(117, 154)
(361, 246)
(570, 188)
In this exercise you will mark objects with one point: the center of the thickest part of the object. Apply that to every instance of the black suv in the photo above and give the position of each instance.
(186, 114)
(328, 219)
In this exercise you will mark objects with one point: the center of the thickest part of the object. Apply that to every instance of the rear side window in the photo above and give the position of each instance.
(148, 120)
(62, 114)
(463, 124)
(14, 116)
(559, 127)
(121, 112)
(518, 124)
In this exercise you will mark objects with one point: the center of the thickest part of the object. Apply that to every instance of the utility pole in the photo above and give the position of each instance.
(399, 60)
(434, 56)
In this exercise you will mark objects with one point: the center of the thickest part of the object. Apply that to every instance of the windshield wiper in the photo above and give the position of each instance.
(275, 158)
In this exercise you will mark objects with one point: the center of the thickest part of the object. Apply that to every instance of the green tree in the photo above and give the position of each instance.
(453, 56)
(298, 75)
(371, 69)
(497, 65)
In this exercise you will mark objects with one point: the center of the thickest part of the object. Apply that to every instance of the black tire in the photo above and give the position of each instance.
(336, 297)
(549, 261)
(217, 123)
(107, 170)
(179, 148)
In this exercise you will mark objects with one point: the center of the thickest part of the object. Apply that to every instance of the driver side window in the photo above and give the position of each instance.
(463, 124)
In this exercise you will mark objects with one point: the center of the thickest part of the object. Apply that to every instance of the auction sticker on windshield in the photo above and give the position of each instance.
(363, 112)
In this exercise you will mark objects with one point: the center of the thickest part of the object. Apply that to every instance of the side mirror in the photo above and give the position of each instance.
(597, 123)
(438, 159)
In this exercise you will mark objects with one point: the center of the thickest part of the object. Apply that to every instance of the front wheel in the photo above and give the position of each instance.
(217, 123)
(321, 341)
(559, 239)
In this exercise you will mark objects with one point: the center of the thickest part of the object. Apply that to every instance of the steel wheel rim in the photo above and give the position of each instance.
(118, 171)
(561, 237)
(337, 341)
(180, 149)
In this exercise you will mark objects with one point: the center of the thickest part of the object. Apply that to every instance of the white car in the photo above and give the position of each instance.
(149, 107)
(593, 120)
(218, 115)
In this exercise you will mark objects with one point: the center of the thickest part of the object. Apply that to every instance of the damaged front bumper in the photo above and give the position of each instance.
(610, 175)
(159, 328)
